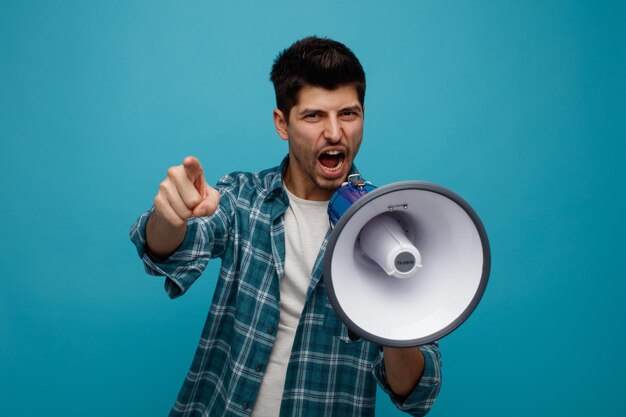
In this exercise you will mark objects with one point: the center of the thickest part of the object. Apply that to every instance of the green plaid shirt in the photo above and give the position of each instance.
(328, 373)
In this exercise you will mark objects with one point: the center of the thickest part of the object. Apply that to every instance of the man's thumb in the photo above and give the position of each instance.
(209, 203)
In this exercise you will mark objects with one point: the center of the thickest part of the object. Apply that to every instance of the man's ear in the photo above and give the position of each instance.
(280, 123)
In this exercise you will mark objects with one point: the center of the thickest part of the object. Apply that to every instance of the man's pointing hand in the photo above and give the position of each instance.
(182, 194)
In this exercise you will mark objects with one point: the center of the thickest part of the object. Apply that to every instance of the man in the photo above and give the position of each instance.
(272, 344)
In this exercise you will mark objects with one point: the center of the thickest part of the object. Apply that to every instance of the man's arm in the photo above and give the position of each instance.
(397, 369)
(182, 194)
(404, 368)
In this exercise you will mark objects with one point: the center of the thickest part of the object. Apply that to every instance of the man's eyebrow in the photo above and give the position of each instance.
(355, 108)
(310, 110)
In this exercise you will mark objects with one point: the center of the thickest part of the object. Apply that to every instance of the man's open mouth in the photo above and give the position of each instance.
(332, 160)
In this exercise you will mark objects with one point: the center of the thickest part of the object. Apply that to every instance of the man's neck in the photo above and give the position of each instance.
(304, 188)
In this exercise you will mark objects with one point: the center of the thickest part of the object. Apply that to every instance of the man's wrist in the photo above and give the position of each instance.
(163, 239)
(404, 368)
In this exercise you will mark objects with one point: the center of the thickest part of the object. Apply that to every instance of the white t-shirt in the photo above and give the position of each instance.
(306, 224)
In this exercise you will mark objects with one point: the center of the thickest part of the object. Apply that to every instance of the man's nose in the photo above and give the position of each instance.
(332, 130)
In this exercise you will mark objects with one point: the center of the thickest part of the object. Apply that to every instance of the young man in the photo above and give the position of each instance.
(272, 344)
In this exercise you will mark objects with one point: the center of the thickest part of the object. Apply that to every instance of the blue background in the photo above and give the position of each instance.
(519, 106)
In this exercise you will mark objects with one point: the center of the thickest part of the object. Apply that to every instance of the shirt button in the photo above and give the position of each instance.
(245, 405)
(259, 368)
(270, 330)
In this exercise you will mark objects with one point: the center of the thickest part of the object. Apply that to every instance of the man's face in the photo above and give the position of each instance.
(324, 132)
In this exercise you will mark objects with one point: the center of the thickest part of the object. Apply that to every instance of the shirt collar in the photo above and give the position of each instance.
(275, 190)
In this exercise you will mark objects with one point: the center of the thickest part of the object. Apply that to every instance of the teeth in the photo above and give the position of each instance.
(332, 153)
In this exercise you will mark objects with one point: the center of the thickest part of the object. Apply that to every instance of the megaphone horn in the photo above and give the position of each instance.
(406, 263)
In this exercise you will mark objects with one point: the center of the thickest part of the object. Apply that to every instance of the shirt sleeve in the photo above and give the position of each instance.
(423, 396)
(206, 238)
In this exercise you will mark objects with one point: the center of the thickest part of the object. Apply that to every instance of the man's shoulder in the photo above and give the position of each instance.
(243, 183)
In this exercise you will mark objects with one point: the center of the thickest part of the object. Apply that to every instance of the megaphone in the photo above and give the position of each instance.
(406, 263)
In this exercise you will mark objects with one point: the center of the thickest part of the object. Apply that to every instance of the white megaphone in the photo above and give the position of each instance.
(406, 263)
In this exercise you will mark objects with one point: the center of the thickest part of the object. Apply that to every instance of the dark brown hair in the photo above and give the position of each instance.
(317, 62)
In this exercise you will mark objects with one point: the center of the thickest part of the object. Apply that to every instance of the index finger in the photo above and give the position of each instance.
(193, 168)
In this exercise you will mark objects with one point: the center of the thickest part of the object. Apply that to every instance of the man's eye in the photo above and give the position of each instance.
(312, 116)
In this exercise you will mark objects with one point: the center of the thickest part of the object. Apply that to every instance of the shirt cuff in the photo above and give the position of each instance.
(423, 396)
(179, 273)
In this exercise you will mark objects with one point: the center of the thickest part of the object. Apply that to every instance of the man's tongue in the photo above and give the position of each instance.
(330, 161)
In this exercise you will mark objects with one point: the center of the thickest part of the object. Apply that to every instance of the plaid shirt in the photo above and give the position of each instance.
(328, 373)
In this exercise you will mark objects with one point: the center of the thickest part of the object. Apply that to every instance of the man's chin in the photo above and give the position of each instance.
(330, 184)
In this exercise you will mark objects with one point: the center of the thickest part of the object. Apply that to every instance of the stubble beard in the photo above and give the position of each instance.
(312, 171)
